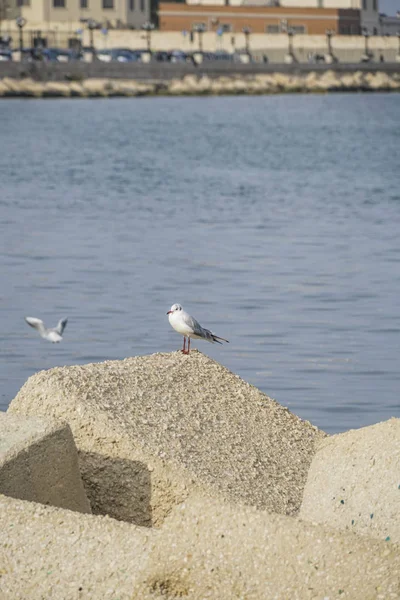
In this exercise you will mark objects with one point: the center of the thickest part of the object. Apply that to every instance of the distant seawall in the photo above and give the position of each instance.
(100, 79)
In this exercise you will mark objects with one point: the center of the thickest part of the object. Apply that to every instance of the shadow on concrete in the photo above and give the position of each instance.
(117, 487)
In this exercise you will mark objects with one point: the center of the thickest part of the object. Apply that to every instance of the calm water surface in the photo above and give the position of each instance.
(274, 220)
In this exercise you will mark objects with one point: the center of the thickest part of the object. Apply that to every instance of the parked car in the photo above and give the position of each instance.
(59, 55)
(5, 55)
(118, 55)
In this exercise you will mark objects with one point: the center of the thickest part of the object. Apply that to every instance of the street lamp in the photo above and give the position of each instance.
(290, 57)
(398, 48)
(91, 24)
(148, 28)
(200, 28)
(366, 57)
(20, 22)
(247, 31)
(366, 49)
(330, 58)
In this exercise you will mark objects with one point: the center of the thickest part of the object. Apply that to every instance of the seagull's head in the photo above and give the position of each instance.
(174, 308)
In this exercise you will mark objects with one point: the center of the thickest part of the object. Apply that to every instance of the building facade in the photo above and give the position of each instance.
(111, 13)
(369, 9)
(174, 16)
(390, 25)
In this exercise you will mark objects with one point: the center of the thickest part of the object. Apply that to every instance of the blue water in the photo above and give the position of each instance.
(274, 221)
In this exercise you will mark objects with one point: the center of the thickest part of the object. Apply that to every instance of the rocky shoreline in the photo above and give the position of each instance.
(199, 486)
(192, 85)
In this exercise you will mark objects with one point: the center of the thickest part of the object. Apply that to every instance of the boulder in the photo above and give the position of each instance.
(354, 482)
(56, 89)
(48, 552)
(151, 429)
(209, 549)
(95, 87)
(39, 462)
(21, 87)
(205, 549)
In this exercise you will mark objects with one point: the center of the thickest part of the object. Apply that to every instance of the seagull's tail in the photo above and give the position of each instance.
(217, 339)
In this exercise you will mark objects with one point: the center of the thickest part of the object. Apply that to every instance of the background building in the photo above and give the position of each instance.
(369, 9)
(224, 18)
(389, 25)
(111, 13)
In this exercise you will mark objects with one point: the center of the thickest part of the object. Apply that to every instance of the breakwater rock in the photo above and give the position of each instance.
(214, 491)
(268, 83)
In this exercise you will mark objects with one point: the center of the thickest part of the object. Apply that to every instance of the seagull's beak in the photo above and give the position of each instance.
(169, 312)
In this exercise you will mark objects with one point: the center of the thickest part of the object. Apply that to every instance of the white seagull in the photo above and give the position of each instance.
(187, 326)
(52, 335)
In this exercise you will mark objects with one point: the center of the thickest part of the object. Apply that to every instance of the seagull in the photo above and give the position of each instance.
(52, 335)
(187, 326)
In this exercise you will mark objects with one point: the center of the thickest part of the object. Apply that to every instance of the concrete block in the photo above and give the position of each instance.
(39, 462)
(50, 553)
(354, 482)
(205, 549)
(150, 429)
(209, 549)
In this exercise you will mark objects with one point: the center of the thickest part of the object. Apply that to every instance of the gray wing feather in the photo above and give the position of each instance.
(193, 324)
(197, 328)
(61, 326)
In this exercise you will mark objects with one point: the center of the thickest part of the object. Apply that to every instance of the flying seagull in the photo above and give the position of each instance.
(187, 326)
(52, 335)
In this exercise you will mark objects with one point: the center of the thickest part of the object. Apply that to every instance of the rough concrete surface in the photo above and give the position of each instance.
(39, 462)
(354, 482)
(48, 553)
(149, 429)
(205, 549)
(208, 549)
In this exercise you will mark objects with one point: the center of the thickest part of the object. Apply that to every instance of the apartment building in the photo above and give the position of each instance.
(273, 16)
(174, 16)
(112, 13)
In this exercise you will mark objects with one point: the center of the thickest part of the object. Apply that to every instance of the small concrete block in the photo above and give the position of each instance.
(39, 462)
(354, 482)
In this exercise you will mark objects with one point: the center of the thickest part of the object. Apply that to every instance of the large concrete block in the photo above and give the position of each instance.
(209, 549)
(39, 462)
(150, 429)
(48, 553)
(205, 549)
(354, 482)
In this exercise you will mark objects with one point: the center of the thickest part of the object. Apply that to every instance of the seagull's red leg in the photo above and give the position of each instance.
(188, 345)
(184, 345)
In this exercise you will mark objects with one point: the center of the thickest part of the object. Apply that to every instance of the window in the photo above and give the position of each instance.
(23, 3)
(84, 4)
(108, 4)
(59, 4)
(131, 4)
(298, 29)
(364, 4)
(375, 5)
(225, 27)
(142, 5)
(272, 29)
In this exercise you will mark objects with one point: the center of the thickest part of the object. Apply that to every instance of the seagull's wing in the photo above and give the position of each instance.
(193, 324)
(35, 323)
(62, 323)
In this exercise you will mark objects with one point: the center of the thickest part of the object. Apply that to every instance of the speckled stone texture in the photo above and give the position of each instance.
(354, 482)
(48, 553)
(151, 429)
(205, 549)
(208, 549)
(39, 462)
